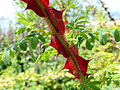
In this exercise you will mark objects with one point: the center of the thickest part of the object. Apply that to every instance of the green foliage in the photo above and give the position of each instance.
(81, 34)
(103, 38)
(33, 43)
(6, 57)
(15, 47)
(89, 45)
(23, 45)
(116, 34)
(88, 84)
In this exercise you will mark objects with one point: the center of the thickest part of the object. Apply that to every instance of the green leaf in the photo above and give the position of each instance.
(23, 45)
(84, 35)
(87, 88)
(24, 22)
(94, 87)
(108, 82)
(116, 34)
(94, 83)
(89, 78)
(80, 26)
(40, 37)
(103, 38)
(81, 87)
(6, 57)
(20, 30)
(92, 37)
(33, 42)
(70, 25)
(11, 53)
(82, 17)
(81, 22)
(80, 40)
(89, 45)
(116, 83)
(15, 47)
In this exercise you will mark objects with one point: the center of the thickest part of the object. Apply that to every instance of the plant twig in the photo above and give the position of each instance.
(106, 9)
